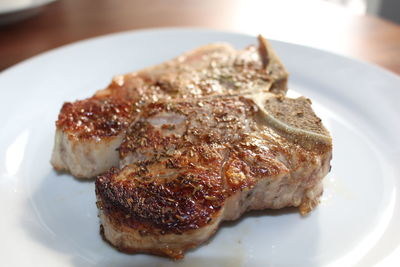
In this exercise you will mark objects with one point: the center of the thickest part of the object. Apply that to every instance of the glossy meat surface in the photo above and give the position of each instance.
(187, 165)
(99, 123)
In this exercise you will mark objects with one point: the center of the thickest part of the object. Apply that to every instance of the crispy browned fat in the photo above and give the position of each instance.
(89, 132)
(188, 165)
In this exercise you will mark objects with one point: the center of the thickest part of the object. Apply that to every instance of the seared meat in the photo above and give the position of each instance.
(188, 165)
(88, 132)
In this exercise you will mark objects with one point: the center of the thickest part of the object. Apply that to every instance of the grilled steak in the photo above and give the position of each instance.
(188, 165)
(88, 132)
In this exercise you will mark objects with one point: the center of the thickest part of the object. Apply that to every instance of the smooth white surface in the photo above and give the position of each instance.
(51, 220)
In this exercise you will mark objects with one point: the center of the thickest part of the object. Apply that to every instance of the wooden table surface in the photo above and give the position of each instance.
(316, 24)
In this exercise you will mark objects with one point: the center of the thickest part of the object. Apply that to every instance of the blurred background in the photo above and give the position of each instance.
(388, 9)
(364, 29)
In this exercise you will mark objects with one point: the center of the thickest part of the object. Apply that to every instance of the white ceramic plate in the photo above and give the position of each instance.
(51, 220)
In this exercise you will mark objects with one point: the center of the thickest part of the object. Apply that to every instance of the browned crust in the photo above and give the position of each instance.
(187, 178)
(188, 200)
(142, 135)
(96, 116)
(184, 184)
(109, 111)
(186, 196)
(222, 120)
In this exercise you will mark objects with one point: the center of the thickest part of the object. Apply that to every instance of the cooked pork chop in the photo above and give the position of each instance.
(188, 165)
(89, 131)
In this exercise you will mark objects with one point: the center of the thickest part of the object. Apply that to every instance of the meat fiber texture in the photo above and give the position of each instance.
(89, 132)
(180, 147)
(186, 166)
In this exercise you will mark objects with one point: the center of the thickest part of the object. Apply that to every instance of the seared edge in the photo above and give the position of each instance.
(98, 123)
(180, 145)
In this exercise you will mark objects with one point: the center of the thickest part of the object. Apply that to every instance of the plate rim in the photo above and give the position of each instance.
(112, 35)
(184, 29)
